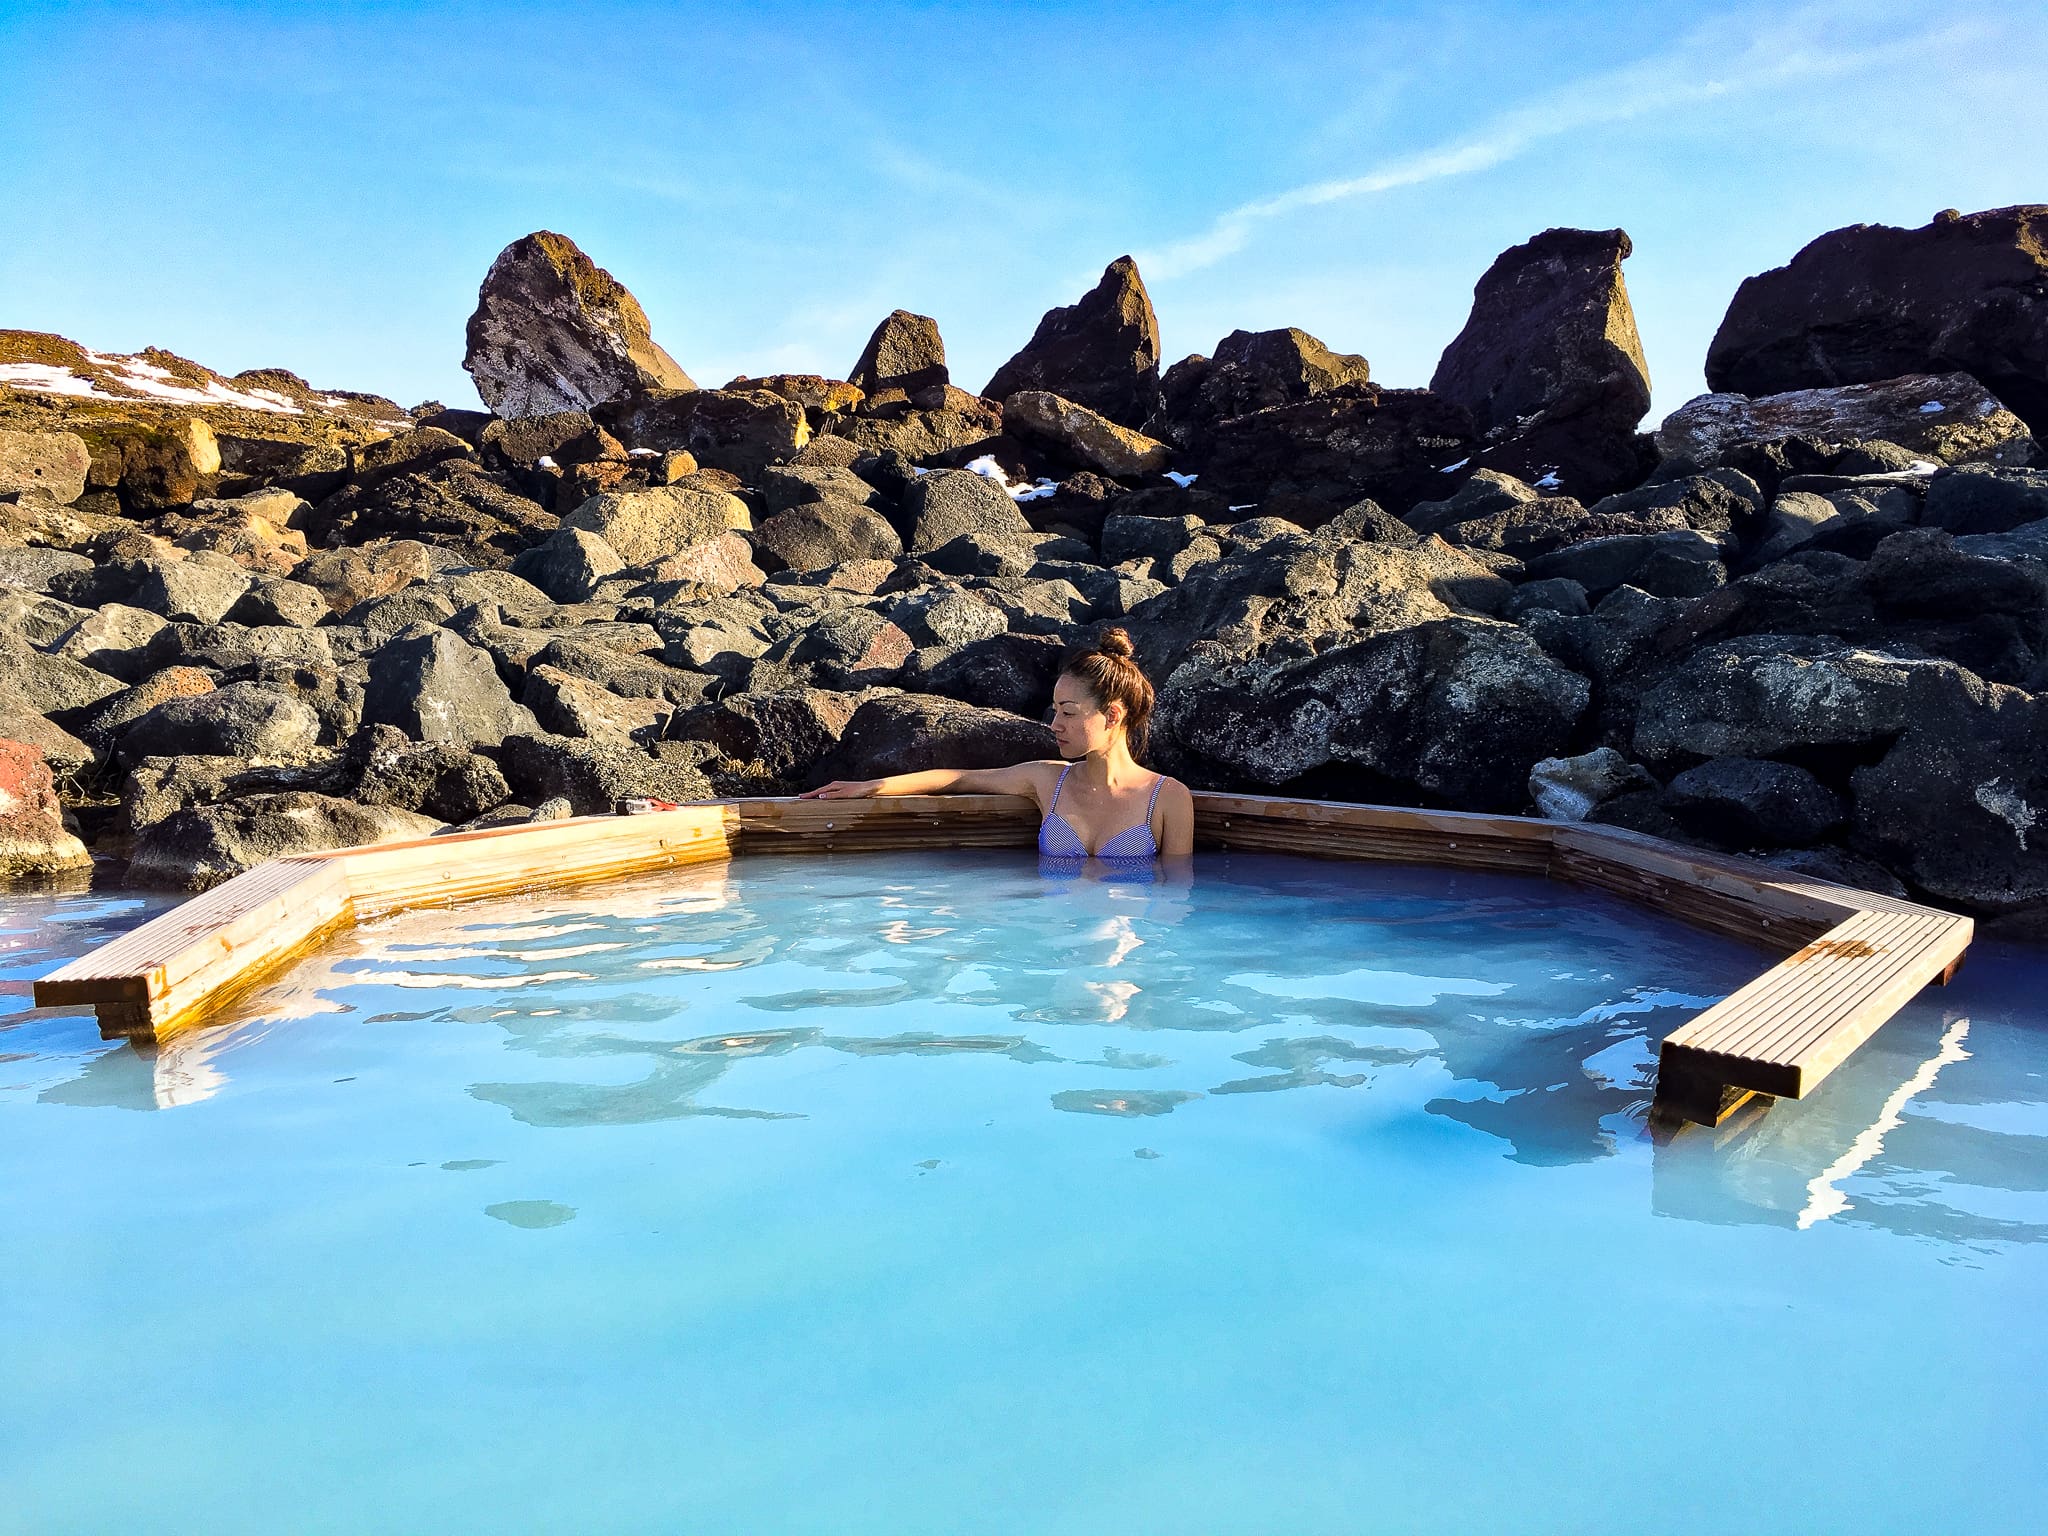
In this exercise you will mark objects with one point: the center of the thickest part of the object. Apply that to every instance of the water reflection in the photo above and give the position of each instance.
(1526, 1019)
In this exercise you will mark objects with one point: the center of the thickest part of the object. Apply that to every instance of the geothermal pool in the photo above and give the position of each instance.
(934, 1192)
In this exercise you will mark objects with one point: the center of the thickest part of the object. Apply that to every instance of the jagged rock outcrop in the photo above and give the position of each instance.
(907, 353)
(1965, 293)
(1102, 352)
(1550, 365)
(553, 331)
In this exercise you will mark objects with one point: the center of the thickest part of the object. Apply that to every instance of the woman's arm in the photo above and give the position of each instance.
(1017, 779)
(1176, 820)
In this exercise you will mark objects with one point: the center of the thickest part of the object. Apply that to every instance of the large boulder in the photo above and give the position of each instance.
(906, 353)
(348, 577)
(435, 686)
(1102, 352)
(593, 776)
(1770, 695)
(197, 848)
(908, 733)
(1389, 445)
(197, 590)
(245, 720)
(1981, 499)
(54, 463)
(1455, 711)
(1946, 418)
(555, 332)
(1743, 802)
(1959, 806)
(34, 842)
(741, 431)
(481, 514)
(949, 503)
(786, 731)
(1251, 371)
(49, 685)
(1550, 365)
(1962, 294)
(1298, 593)
(822, 534)
(433, 778)
(568, 705)
(651, 525)
(960, 428)
(569, 566)
(1082, 436)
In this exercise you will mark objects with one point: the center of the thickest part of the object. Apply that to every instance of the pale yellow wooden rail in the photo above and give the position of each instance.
(1852, 959)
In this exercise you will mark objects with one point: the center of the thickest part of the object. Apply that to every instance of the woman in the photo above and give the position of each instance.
(1098, 802)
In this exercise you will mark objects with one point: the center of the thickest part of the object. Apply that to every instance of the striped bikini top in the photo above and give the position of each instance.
(1058, 840)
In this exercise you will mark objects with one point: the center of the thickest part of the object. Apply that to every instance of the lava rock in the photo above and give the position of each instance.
(786, 731)
(1455, 710)
(54, 463)
(1388, 445)
(1962, 294)
(1572, 788)
(1082, 436)
(1102, 352)
(741, 431)
(553, 331)
(435, 686)
(1977, 498)
(246, 720)
(1948, 418)
(908, 733)
(1251, 371)
(593, 776)
(432, 778)
(1746, 803)
(906, 353)
(822, 534)
(1550, 366)
(1767, 695)
(198, 848)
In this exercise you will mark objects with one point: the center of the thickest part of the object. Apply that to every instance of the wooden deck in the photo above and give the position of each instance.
(1851, 959)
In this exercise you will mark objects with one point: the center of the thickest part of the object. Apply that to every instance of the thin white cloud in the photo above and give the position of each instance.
(1708, 65)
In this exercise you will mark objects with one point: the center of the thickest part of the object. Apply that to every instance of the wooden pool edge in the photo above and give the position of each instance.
(1851, 959)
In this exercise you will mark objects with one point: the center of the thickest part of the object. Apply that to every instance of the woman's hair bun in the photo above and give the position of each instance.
(1115, 642)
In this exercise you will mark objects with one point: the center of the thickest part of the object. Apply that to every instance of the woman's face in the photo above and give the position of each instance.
(1080, 724)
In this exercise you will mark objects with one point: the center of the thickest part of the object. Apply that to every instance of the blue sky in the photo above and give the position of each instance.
(322, 187)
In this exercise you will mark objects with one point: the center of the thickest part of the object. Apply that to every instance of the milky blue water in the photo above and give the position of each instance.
(906, 1193)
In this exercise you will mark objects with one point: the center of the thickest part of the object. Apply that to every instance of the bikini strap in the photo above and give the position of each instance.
(1057, 788)
(1157, 785)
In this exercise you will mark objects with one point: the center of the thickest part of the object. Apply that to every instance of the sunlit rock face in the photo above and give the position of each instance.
(553, 331)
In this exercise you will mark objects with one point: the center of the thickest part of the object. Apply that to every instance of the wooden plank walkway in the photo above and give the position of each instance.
(1852, 958)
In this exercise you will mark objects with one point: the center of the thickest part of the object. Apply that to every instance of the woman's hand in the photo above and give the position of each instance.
(843, 789)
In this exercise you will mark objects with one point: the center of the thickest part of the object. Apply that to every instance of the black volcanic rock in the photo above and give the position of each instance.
(1964, 293)
(1251, 371)
(906, 352)
(1389, 445)
(1550, 366)
(1102, 352)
